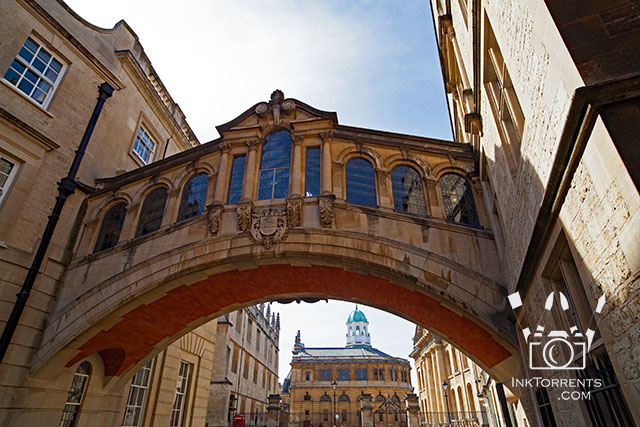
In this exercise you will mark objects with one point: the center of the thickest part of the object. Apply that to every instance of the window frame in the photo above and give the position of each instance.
(145, 398)
(503, 99)
(422, 189)
(182, 394)
(275, 169)
(239, 178)
(139, 232)
(375, 182)
(182, 217)
(77, 405)
(40, 75)
(143, 127)
(474, 221)
(11, 176)
(306, 170)
(104, 216)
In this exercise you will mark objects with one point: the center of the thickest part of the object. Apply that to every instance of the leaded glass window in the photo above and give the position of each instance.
(237, 177)
(34, 71)
(111, 227)
(408, 191)
(343, 398)
(312, 172)
(152, 211)
(274, 166)
(74, 396)
(193, 197)
(459, 206)
(361, 182)
(137, 396)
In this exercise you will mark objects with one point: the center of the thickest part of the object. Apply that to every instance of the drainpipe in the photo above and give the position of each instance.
(66, 187)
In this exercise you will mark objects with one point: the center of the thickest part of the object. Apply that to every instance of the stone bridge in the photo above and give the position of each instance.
(287, 204)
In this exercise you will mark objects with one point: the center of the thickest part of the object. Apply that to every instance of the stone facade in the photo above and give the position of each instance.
(470, 396)
(245, 366)
(544, 91)
(369, 384)
(38, 137)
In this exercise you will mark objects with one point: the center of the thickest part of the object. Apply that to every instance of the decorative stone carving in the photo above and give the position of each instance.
(244, 214)
(297, 138)
(325, 205)
(294, 211)
(254, 144)
(214, 217)
(327, 135)
(269, 226)
(224, 147)
(276, 105)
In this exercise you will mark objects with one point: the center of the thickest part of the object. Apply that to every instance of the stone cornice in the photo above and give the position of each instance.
(410, 142)
(148, 90)
(101, 69)
(47, 142)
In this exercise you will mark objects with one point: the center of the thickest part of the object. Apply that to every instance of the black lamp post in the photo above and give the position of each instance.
(334, 384)
(446, 399)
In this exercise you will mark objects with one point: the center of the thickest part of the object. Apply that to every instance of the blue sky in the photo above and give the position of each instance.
(373, 62)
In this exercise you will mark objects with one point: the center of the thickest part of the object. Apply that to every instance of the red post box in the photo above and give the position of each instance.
(238, 421)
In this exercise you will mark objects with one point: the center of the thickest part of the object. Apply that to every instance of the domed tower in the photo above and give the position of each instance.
(358, 329)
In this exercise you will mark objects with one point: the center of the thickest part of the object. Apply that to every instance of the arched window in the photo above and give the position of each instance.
(408, 191)
(459, 206)
(74, 396)
(194, 197)
(361, 182)
(274, 166)
(111, 226)
(152, 211)
(343, 398)
(325, 398)
(470, 394)
(379, 398)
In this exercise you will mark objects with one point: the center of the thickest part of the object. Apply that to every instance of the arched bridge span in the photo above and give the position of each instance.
(384, 219)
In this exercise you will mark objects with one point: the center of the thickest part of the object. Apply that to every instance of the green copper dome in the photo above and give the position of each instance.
(357, 316)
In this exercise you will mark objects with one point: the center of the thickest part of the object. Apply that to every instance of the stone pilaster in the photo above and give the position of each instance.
(296, 166)
(326, 162)
(274, 411)
(223, 173)
(413, 410)
(250, 170)
(366, 411)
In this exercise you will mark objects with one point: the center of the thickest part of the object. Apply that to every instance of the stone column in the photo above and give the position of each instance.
(223, 173)
(366, 410)
(250, 170)
(442, 375)
(428, 383)
(413, 410)
(273, 411)
(128, 231)
(326, 186)
(384, 188)
(296, 165)
(433, 198)
(171, 207)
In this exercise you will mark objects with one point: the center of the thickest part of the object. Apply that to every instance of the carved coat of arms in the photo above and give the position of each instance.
(269, 226)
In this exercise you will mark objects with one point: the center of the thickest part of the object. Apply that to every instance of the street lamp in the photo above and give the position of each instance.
(334, 384)
(446, 399)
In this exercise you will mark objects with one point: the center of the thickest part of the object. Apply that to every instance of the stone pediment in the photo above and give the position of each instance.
(277, 112)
